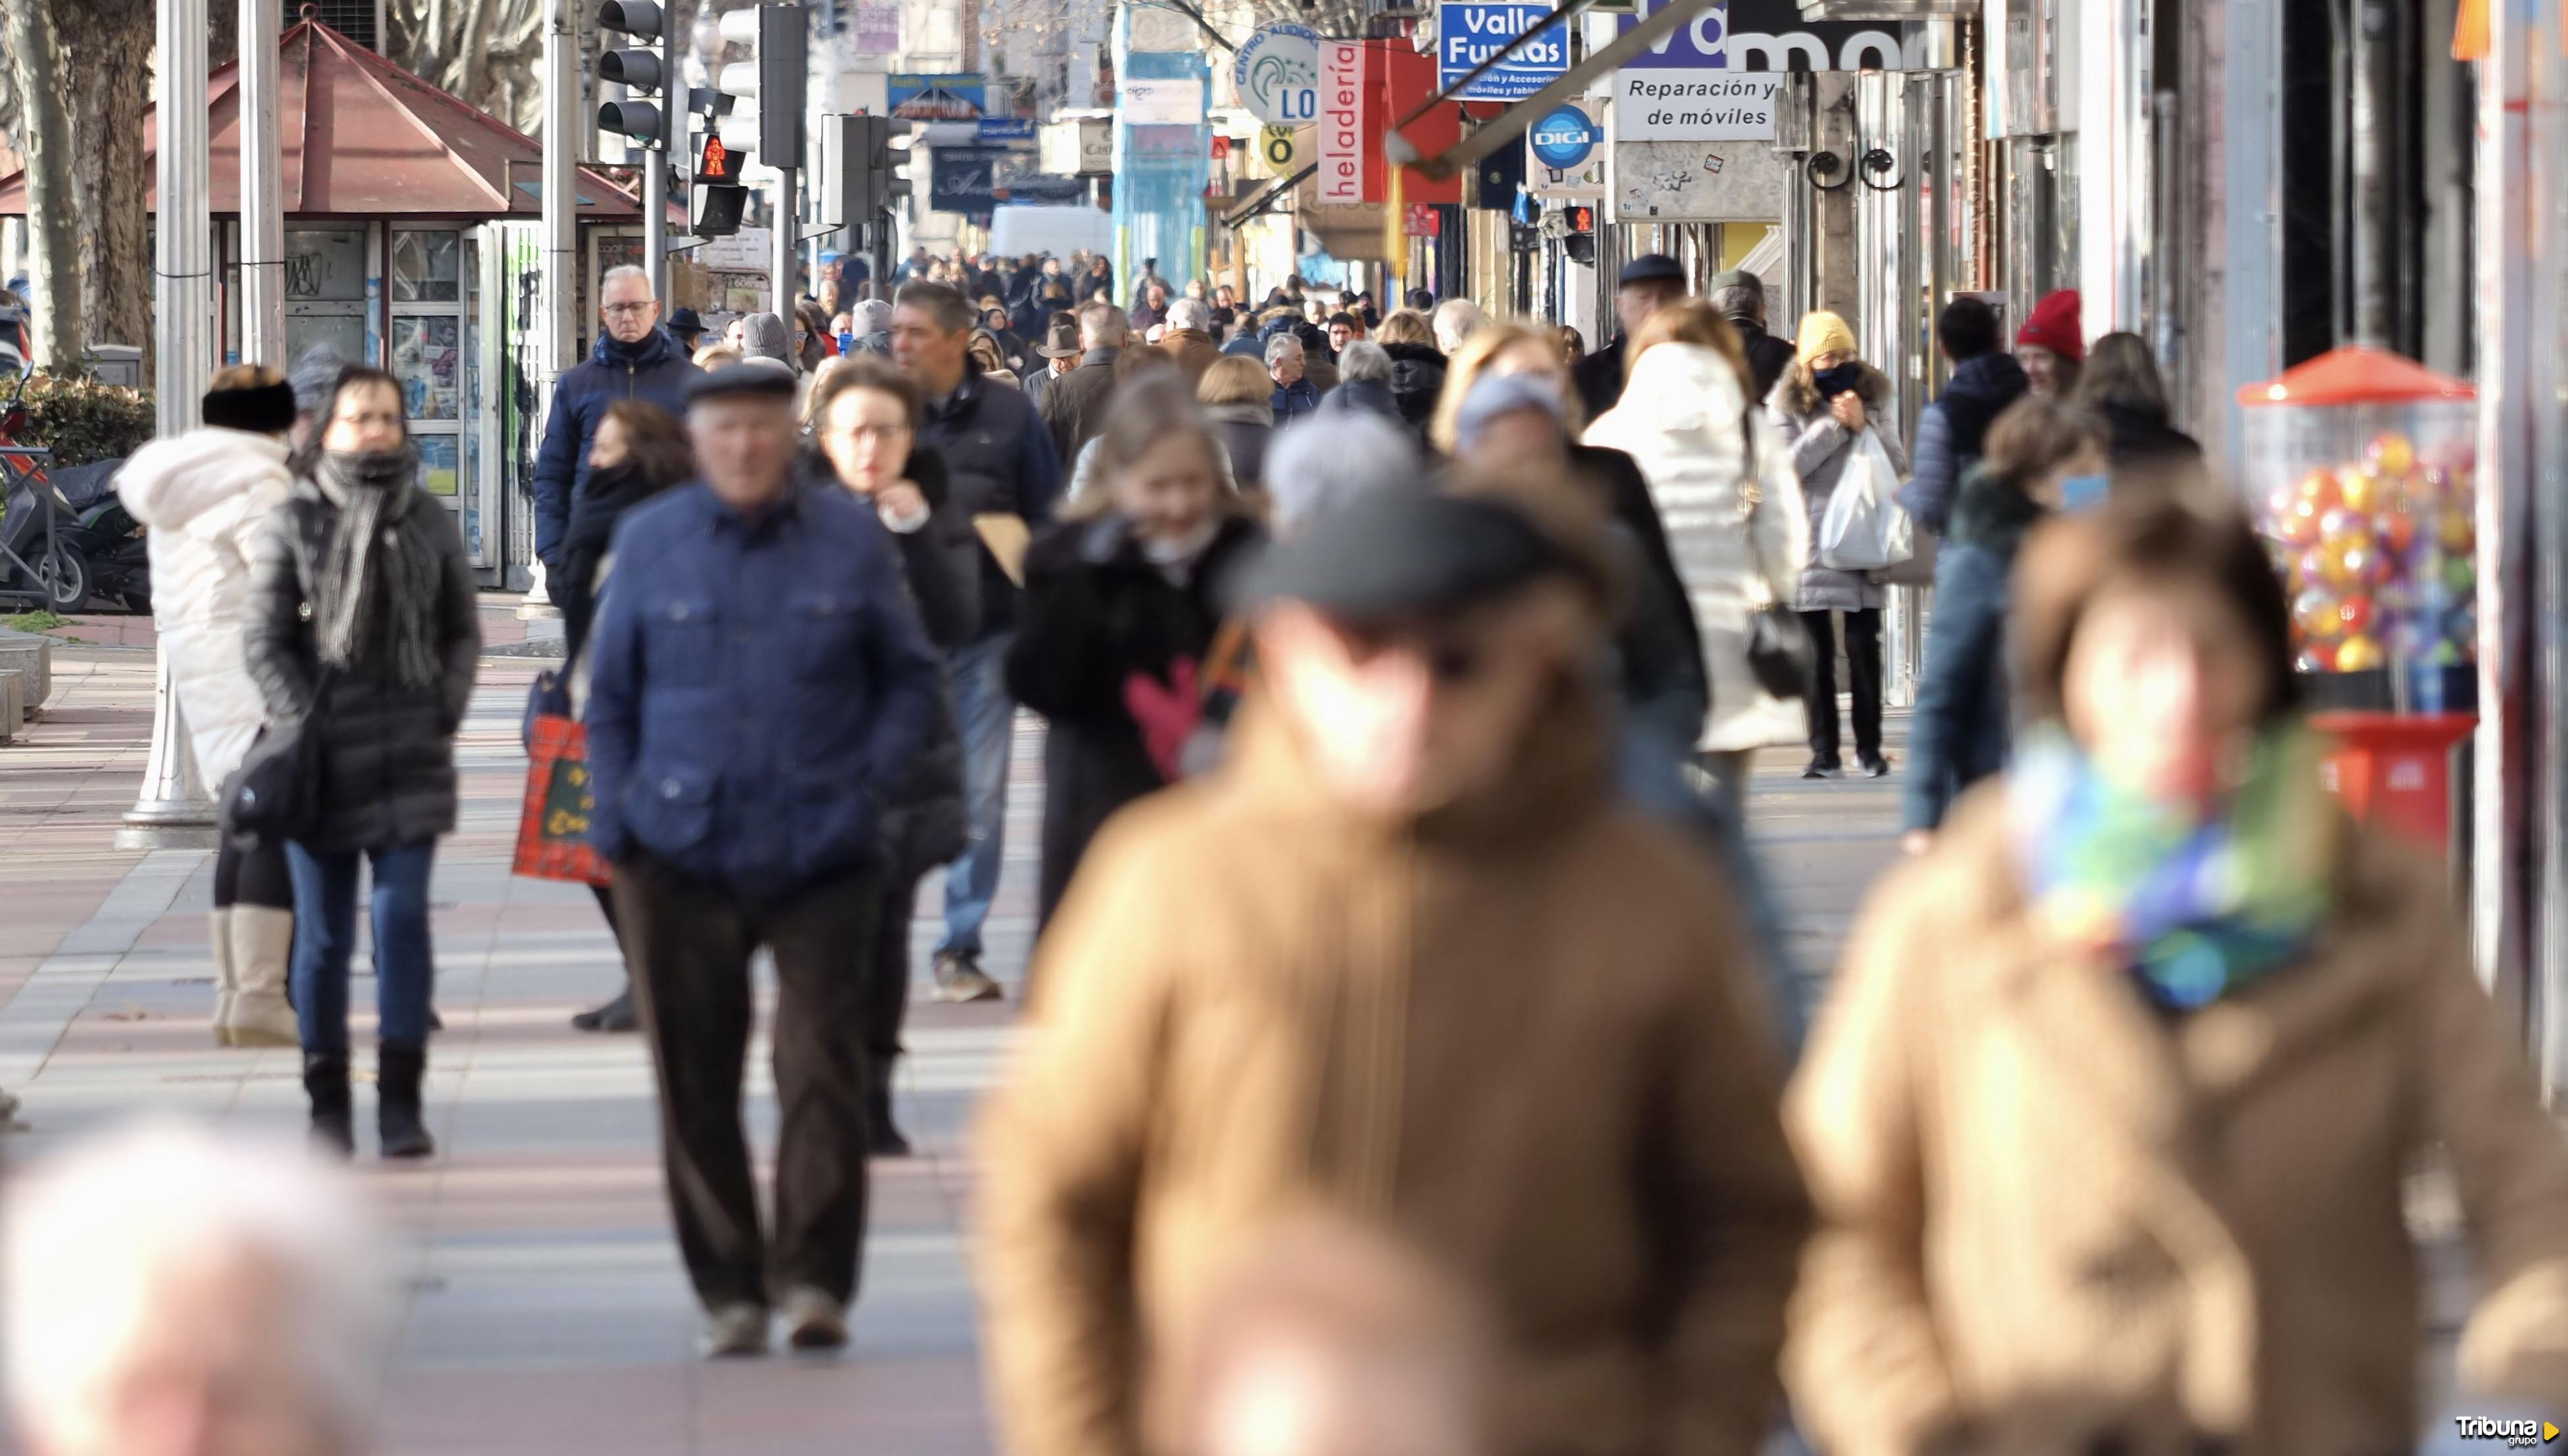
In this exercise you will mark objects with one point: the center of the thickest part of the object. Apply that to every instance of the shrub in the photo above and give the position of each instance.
(82, 420)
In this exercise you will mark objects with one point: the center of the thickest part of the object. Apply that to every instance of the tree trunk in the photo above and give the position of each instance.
(103, 43)
(53, 227)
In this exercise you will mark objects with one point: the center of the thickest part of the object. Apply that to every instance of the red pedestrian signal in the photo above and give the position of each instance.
(1582, 219)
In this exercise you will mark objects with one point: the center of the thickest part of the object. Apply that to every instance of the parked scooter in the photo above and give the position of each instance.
(113, 558)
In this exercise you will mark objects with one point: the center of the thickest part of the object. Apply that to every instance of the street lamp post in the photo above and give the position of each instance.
(174, 809)
(262, 215)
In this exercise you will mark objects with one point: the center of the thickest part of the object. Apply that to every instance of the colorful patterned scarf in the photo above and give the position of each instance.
(2195, 907)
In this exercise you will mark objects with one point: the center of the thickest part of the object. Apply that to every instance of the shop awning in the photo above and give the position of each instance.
(364, 139)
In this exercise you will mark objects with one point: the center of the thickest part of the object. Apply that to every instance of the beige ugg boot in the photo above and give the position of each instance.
(226, 976)
(262, 949)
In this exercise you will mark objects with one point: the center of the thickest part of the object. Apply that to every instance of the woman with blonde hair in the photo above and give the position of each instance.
(1236, 397)
(1741, 536)
(1416, 366)
(1122, 608)
(1825, 405)
(1675, 709)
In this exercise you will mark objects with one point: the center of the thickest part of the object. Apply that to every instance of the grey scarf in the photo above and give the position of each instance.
(375, 587)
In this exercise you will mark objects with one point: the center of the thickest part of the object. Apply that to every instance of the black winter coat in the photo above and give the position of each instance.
(1101, 623)
(387, 750)
(1661, 644)
(1768, 356)
(2144, 441)
(1417, 383)
(924, 821)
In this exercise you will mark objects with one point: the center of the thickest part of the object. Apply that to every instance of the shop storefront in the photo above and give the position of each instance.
(411, 244)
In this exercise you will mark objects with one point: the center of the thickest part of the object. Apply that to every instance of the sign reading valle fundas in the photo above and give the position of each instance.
(1470, 32)
(1565, 152)
(1716, 78)
(1277, 75)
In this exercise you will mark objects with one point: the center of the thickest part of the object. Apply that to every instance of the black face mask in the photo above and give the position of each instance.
(1845, 379)
(615, 479)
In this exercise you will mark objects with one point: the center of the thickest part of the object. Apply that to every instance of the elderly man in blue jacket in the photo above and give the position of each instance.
(634, 359)
(761, 682)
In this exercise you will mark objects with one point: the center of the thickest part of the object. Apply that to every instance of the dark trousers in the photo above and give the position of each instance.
(688, 945)
(256, 877)
(1863, 678)
(887, 977)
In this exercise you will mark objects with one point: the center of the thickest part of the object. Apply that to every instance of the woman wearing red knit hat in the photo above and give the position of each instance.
(2052, 345)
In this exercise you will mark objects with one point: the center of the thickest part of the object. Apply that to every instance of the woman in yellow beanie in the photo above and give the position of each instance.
(1823, 405)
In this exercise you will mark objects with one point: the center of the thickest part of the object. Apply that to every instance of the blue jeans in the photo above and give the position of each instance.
(980, 674)
(324, 939)
(1654, 781)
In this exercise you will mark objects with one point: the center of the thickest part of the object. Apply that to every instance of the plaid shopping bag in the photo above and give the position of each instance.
(552, 829)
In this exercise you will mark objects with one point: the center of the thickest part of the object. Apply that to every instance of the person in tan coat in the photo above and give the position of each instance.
(1402, 960)
(2109, 1117)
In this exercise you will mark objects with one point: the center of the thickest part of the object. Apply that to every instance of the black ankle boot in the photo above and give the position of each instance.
(334, 1123)
(400, 1067)
(883, 1140)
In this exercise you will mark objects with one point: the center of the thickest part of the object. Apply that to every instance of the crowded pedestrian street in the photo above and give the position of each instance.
(545, 1311)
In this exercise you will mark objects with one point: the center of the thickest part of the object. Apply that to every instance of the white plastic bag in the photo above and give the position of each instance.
(1865, 529)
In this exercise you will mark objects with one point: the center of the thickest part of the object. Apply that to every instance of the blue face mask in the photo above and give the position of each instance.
(847, 343)
(2083, 492)
(1845, 379)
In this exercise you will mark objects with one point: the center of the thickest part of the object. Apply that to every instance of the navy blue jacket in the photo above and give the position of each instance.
(759, 688)
(1951, 431)
(655, 370)
(1293, 402)
(1960, 730)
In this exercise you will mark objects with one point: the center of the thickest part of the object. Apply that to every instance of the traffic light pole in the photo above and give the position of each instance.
(783, 257)
(655, 220)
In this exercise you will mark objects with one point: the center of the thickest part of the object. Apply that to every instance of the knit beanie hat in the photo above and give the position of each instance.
(764, 336)
(1495, 395)
(314, 376)
(2056, 325)
(1825, 333)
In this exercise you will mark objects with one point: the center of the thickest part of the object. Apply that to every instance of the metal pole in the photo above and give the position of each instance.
(173, 810)
(2372, 140)
(783, 259)
(557, 332)
(262, 216)
(655, 223)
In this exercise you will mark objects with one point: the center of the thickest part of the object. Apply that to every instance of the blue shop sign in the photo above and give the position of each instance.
(1470, 32)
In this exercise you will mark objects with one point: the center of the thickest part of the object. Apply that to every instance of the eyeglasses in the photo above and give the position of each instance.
(872, 432)
(628, 310)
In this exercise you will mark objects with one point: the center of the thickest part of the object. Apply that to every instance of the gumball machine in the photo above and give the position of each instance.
(2360, 469)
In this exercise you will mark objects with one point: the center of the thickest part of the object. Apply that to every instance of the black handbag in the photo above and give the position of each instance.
(1780, 653)
(277, 794)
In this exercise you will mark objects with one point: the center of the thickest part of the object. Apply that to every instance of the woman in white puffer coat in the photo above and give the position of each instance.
(204, 494)
(1683, 418)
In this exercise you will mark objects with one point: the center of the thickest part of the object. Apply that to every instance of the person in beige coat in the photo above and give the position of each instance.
(1403, 960)
(2109, 1118)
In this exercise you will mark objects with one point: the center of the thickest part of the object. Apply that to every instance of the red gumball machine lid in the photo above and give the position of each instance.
(2356, 375)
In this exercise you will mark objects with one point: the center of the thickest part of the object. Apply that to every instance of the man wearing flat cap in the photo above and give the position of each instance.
(1405, 960)
(759, 680)
(1646, 285)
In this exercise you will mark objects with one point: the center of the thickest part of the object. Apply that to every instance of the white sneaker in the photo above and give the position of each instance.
(813, 1320)
(736, 1329)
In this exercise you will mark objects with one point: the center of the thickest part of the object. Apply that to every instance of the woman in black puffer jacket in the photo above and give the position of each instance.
(1416, 367)
(364, 629)
(867, 414)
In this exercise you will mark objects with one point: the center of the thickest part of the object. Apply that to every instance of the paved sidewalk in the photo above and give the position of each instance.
(549, 1314)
